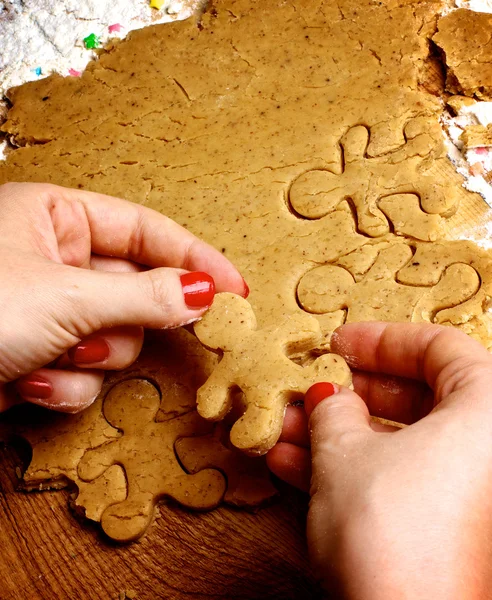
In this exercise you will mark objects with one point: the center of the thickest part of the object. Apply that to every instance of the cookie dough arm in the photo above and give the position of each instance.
(95, 462)
(389, 262)
(214, 398)
(191, 424)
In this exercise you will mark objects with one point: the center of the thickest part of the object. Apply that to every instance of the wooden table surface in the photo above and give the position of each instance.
(47, 553)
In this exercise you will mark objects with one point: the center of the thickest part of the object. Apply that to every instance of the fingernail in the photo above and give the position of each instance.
(33, 386)
(316, 393)
(198, 289)
(89, 351)
(246, 289)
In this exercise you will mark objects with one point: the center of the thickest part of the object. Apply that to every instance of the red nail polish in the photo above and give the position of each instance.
(316, 393)
(33, 386)
(246, 289)
(198, 289)
(89, 351)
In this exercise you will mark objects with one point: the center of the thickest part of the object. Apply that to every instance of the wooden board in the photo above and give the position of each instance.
(46, 552)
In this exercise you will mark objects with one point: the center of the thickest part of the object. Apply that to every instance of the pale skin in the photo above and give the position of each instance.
(393, 514)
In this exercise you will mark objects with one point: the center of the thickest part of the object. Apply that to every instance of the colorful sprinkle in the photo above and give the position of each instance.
(115, 27)
(74, 73)
(157, 3)
(38, 71)
(477, 169)
(91, 41)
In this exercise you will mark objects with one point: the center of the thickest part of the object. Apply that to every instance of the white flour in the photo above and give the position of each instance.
(49, 34)
(476, 5)
(481, 234)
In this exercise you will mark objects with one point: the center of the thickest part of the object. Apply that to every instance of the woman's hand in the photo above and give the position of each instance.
(81, 275)
(406, 513)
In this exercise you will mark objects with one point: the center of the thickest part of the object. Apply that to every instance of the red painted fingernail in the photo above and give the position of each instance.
(89, 351)
(246, 289)
(33, 386)
(316, 393)
(198, 289)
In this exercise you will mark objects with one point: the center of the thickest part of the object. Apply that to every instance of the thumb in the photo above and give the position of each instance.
(158, 298)
(338, 421)
(339, 425)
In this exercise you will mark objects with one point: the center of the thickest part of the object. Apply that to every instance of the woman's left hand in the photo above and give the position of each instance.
(82, 274)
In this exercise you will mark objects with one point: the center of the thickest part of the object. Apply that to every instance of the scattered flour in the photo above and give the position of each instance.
(48, 34)
(476, 5)
(480, 234)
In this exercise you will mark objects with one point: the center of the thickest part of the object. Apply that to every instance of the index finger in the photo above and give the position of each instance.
(414, 350)
(126, 230)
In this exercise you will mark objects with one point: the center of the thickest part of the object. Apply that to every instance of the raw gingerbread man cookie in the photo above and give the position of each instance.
(394, 187)
(380, 296)
(146, 452)
(256, 362)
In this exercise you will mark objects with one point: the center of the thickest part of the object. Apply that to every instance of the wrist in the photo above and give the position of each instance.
(418, 559)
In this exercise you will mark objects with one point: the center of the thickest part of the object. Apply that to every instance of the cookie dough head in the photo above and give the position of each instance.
(145, 404)
(230, 318)
(325, 289)
(316, 193)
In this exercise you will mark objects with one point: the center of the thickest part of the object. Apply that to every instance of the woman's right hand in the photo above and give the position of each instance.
(406, 513)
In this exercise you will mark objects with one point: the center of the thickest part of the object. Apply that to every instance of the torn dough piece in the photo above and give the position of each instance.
(465, 38)
(477, 136)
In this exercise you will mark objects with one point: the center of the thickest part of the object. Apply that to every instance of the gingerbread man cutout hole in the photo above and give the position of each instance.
(146, 452)
(379, 296)
(392, 187)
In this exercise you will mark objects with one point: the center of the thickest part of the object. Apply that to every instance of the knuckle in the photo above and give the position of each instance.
(463, 372)
(342, 439)
(15, 188)
(331, 421)
(158, 291)
(8, 188)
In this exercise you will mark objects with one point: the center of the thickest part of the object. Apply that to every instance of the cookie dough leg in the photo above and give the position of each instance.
(95, 462)
(128, 520)
(214, 398)
(459, 283)
(259, 428)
